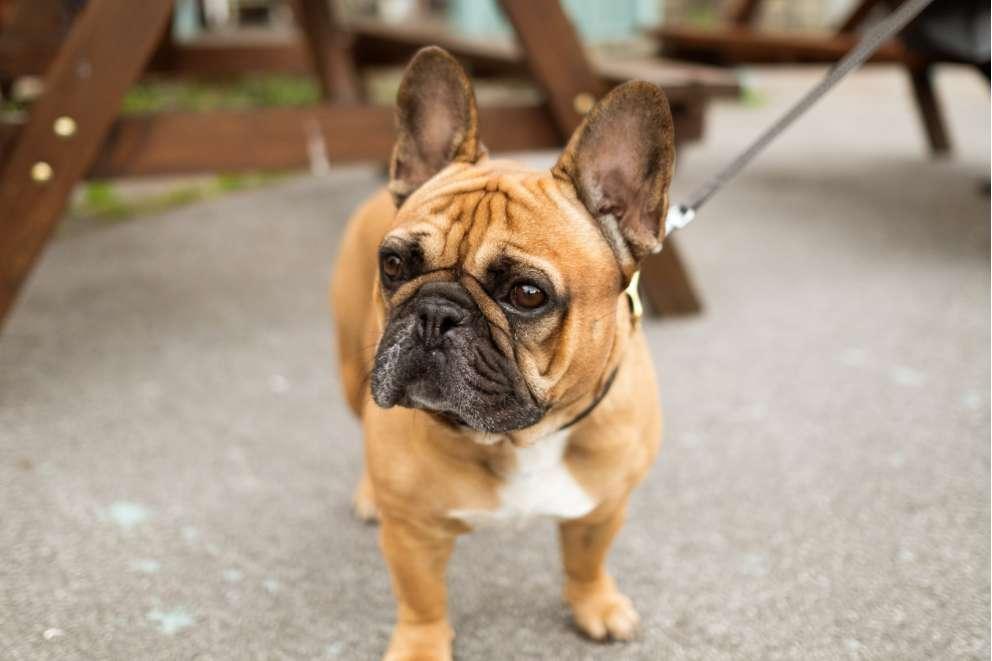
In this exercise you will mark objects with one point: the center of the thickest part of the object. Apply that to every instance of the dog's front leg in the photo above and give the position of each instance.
(599, 609)
(417, 557)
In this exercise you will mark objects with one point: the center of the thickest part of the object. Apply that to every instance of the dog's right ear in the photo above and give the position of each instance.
(436, 120)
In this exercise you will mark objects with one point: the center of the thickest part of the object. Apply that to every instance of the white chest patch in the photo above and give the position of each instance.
(540, 486)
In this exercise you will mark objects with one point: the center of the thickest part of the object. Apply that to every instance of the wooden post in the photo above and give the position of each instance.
(559, 65)
(742, 12)
(929, 108)
(329, 50)
(556, 59)
(33, 26)
(920, 77)
(671, 291)
(105, 51)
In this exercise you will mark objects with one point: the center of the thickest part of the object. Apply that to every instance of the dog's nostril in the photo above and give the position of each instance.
(447, 323)
(436, 319)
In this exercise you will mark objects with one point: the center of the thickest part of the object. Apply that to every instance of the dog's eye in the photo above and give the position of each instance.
(392, 266)
(527, 297)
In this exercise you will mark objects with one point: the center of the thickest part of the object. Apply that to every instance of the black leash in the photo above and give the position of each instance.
(682, 214)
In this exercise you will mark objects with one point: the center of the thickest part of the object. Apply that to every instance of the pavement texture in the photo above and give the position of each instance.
(176, 459)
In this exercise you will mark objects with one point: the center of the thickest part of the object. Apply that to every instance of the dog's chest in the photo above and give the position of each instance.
(539, 486)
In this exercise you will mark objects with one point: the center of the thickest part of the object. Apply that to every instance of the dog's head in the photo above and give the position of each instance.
(501, 288)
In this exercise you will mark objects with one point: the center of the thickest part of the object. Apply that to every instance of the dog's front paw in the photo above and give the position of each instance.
(601, 611)
(420, 642)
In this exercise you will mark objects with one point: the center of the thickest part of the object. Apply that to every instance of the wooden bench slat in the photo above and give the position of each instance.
(277, 138)
(376, 42)
(743, 45)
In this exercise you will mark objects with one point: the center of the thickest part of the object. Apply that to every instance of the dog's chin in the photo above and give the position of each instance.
(464, 380)
(505, 413)
(436, 410)
(507, 416)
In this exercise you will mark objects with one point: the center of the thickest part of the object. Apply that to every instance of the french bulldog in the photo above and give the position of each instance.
(488, 344)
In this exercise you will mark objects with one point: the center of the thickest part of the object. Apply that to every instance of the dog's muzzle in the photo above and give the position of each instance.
(437, 354)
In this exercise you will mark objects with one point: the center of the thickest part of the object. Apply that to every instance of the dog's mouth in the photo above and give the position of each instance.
(459, 376)
(447, 388)
(436, 408)
(449, 419)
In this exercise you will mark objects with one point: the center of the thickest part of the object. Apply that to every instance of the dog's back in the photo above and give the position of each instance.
(351, 287)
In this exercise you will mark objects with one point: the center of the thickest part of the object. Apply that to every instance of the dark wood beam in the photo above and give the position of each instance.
(279, 138)
(67, 125)
(928, 106)
(555, 59)
(282, 138)
(330, 50)
(746, 46)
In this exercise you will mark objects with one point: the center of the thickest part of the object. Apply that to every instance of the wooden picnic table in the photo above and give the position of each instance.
(75, 129)
(737, 40)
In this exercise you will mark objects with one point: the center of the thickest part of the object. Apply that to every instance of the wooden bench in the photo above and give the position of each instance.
(737, 41)
(74, 130)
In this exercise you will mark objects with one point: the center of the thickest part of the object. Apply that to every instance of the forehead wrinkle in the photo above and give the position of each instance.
(454, 230)
(498, 203)
(521, 191)
(454, 187)
(430, 223)
(491, 211)
(451, 240)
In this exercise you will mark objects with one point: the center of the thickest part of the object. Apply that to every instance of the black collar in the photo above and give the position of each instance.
(633, 296)
(595, 402)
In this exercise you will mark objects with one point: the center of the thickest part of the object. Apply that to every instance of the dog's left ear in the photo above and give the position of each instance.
(620, 161)
(437, 121)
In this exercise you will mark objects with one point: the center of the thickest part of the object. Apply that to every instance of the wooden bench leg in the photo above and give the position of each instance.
(929, 108)
(329, 50)
(666, 285)
(557, 61)
(104, 53)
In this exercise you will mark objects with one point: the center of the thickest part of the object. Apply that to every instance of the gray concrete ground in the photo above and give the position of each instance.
(176, 460)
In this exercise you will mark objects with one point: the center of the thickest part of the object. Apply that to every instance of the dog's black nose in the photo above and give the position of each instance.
(439, 308)
(436, 316)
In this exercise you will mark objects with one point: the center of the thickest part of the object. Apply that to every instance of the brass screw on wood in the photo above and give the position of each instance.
(583, 102)
(64, 127)
(41, 172)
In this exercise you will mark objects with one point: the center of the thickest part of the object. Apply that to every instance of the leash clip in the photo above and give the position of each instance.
(678, 217)
(634, 296)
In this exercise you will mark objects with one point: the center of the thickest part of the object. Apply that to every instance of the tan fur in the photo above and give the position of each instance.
(351, 290)
(418, 469)
(421, 469)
